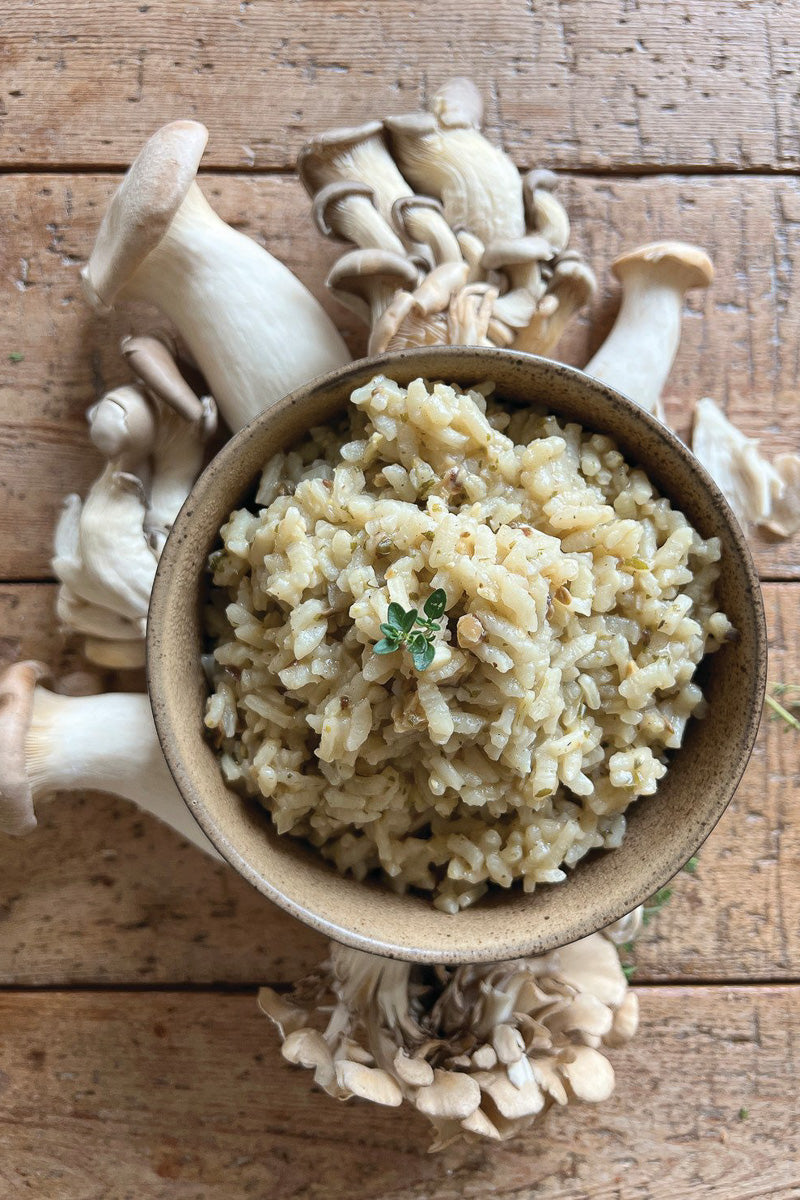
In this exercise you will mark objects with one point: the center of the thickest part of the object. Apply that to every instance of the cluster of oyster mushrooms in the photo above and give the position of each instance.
(447, 244)
(479, 1050)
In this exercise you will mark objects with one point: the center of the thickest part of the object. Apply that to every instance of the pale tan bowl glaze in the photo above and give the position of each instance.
(663, 830)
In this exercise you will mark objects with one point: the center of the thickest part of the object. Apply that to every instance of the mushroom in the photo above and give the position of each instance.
(358, 155)
(546, 215)
(480, 1050)
(443, 154)
(638, 353)
(251, 326)
(366, 281)
(346, 209)
(152, 358)
(760, 491)
(452, 1095)
(422, 220)
(572, 286)
(106, 743)
(370, 1083)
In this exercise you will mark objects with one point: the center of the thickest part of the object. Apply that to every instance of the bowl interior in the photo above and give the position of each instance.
(663, 830)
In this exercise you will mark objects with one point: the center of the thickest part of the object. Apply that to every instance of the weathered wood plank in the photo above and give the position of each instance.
(185, 1095)
(690, 83)
(100, 893)
(740, 340)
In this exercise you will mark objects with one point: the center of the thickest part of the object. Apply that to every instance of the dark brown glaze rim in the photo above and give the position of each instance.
(653, 872)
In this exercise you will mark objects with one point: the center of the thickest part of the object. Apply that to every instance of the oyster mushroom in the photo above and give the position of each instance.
(638, 353)
(759, 491)
(152, 359)
(444, 154)
(251, 326)
(480, 1050)
(422, 220)
(106, 743)
(355, 155)
(546, 215)
(572, 286)
(366, 281)
(346, 209)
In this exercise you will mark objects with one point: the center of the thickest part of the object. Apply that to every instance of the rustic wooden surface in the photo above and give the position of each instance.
(133, 1062)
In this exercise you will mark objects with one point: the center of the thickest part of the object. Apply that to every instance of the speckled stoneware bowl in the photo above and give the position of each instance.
(663, 830)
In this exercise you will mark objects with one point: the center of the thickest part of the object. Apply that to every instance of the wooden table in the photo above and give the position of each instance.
(133, 1062)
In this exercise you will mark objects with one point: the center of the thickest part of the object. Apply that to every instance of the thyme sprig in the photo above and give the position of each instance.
(786, 711)
(399, 629)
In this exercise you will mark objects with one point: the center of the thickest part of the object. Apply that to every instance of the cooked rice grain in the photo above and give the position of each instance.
(579, 603)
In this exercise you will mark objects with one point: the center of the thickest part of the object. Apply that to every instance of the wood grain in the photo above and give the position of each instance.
(101, 893)
(110, 1096)
(617, 85)
(741, 341)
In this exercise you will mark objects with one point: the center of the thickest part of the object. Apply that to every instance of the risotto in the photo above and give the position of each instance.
(577, 605)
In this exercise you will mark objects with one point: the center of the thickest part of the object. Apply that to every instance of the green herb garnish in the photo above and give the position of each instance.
(16, 356)
(791, 703)
(744, 1113)
(654, 905)
(399, 629)
(692, 864)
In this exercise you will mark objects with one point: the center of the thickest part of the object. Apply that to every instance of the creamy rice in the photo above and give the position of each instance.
(579, 603)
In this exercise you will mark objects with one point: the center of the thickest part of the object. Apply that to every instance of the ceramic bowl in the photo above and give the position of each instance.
(664, 830)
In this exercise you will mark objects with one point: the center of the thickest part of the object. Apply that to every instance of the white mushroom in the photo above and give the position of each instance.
(638, 353)
(346, 209)
(573, 285)
(443, 154)
(107, 743)
(759, 490)
(101, 552)
(589, 1074)
(356, 155)
(308, 1048)
(366, 281)
(251, 326)
(370, 1083)
(452, 1095)
(546, 215)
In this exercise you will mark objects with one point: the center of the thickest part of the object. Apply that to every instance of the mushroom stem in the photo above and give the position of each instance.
(638, 354)
(105, 743)
(253, 329)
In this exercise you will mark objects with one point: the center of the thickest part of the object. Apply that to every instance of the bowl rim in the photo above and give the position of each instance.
(446, 954)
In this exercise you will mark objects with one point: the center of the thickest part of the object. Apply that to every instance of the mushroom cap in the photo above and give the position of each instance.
(370, 1083)
(354, 276)
(142, 208)
(514, 252)
(123, 422)
(458, 104)
(17, 684)
(691, 266)
(154, 362)
(452, 1094)
(316, 154)
(332, 193)
(576, 277)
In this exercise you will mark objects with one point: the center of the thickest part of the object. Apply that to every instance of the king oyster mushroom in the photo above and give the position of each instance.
(638, 353)
(479, 1050)
(251, 326)
(107, 743)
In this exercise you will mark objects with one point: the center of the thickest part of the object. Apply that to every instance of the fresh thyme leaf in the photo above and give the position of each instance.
(435, 604)
(692, 864)
(398, 629)
(423, 657)
(629, 970)
(744, 1113)
(16, 356)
